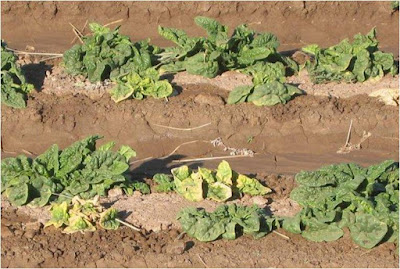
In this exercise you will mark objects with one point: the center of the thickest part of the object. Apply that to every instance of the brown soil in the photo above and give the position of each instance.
(303, 134)
(26, 244)
(45, 25)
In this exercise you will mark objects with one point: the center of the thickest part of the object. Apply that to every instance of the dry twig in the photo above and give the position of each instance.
(186, 143)
(202, 261)
(113, 22)
(182, 129)
(141, 160)
(281, 235)
(128, 225)
(83, 29)
(77, 33)
(349, 147)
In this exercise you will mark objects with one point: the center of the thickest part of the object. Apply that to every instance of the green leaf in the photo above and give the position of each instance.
(71, 157)
(311, 49)
(18, 194)
(249, 56)
(239, 94)
(267, 40)
(207, 175)
(318, 231)
(108, 219)
(293, 224)
(107, 147)
(367, 231)
(315, 178)
(162, 89)
(127, 152)
(164, 183)
(200, 64)
(48, 161)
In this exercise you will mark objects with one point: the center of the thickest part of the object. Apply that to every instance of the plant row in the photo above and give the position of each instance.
(136, 67)
(342, 196)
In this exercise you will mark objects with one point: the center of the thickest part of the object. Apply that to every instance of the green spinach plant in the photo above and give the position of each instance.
(108, 54)
(268, 88)
(219, 52)
(79, 169)
(227, 221)
(365, 200)
(14, 89)
(358, 61)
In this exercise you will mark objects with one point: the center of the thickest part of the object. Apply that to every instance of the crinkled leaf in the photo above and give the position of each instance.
(219, 192)
(251, 186)
(59, 215)
(239, 94)
(79, 224)
(108, 219)
(224, 173)
(18, 194)
(164, 183)
(367, 231)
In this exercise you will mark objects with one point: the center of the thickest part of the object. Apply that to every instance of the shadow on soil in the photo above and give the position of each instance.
(36, 73)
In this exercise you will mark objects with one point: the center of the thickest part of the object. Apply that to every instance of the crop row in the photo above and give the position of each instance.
(135, 67)
(333, 198)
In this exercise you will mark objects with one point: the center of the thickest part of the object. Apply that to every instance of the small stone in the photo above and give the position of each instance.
(175, 248)
(115, 192)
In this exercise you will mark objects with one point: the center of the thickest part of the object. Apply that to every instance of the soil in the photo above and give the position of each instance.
(303, 134)
(46, 25)
(26, 244)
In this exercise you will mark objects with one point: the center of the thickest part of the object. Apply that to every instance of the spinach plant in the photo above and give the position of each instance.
(108, 54)
(365, 200)
(219, 185)
(227, 221)
(139, 85)
(82, 215)
(79, 169)
(358, 61)
(268, 88)
(219, 52)
(14, 88)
